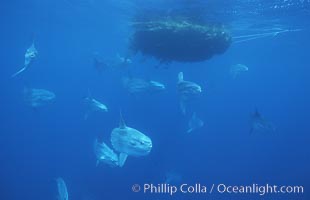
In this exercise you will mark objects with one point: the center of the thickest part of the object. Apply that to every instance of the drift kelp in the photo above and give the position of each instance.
(179, 40)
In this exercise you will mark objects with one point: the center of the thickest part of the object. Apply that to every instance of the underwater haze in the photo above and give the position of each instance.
(69, 78)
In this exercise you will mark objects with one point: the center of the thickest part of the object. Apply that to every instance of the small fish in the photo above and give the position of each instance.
(38, 97)
(186, 90)
(194, 123)
(259, 123)
(129, 142)
(137, 85)
(62, 189)
(237, 69)
(118, 63)
(156, 86)
(105, 155)
(93, 105)
(30, 55)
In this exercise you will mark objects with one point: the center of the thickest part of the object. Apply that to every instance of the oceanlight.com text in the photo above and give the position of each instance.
(198, 188)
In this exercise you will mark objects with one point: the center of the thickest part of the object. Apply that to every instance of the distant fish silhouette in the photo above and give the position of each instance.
(117, 63)
(38, 97)
(62, 189)
(259, 123)
(30, 55)
(105, 154)
(237, 69)
(186, 90)
(93, 105)
(137, 85)
(194, 123)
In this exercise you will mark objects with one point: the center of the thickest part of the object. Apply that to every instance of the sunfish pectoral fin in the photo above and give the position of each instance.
(180, 76)
(122, 159)
(20, 71)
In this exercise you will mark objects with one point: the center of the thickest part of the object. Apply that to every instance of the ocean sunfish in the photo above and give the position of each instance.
(30, 55)
(94, 105)
(194, 123)
(62, 189)
(105, 154)
(137, 85)
(156, 86)
(129, 142)
(186, 90)
(38, 97)
(118, 63)
(236, 70)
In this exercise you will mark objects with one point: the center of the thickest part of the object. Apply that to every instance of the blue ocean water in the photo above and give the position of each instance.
(39, 145)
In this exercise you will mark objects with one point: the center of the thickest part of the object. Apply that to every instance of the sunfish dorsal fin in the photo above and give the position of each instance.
(180, 77)
(32, 45)
(122, 159)
(121, 121)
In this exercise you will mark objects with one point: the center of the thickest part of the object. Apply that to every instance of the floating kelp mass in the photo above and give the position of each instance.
(179, 40)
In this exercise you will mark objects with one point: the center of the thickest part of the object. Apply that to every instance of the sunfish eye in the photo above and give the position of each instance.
(133, 143)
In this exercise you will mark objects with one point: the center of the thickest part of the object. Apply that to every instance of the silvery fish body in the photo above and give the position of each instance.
(30, 55)
(137, 85)
(62, 189)
(105, 155)
(95, 105)
(235, 70)
(38, 97)
(130, 142)
(156, 86)
(187, 88)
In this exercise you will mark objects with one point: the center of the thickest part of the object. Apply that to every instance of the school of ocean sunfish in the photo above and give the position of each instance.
(178, 41)
(126, 141)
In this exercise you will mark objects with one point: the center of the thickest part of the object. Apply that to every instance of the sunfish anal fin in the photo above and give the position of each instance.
(122, 159)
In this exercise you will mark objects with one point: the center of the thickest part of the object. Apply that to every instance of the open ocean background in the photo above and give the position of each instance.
(37, 146)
